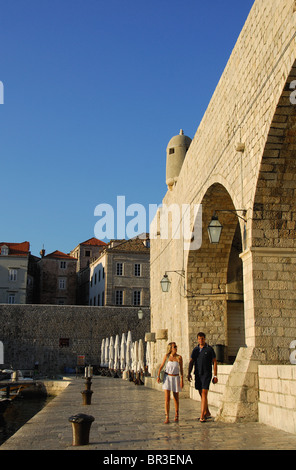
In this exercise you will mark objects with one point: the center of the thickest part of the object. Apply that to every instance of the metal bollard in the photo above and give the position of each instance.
(81, 424)
(86, 397)
(88, 383)
(87, 393)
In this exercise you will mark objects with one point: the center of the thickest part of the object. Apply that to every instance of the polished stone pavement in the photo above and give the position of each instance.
(130, 417)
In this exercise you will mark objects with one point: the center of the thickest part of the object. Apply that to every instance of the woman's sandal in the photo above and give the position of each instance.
(176, 417)
(166, 419)
(202, 420)
(206, 417)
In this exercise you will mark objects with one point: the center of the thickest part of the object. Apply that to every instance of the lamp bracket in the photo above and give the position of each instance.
(180, 272)
(234, 211)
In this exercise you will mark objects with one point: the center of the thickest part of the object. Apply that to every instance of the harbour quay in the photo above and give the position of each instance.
(128, 418)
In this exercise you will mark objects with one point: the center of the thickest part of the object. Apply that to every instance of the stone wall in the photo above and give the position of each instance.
(277, 396)
(33, 333)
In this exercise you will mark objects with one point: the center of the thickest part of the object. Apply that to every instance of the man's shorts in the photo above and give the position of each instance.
(202, 381)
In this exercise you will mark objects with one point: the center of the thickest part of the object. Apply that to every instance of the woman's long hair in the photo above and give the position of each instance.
(169, 348)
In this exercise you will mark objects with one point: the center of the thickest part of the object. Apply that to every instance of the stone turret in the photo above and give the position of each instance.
(176, 151)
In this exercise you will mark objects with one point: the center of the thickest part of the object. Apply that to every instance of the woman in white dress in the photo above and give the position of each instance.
(173, 379)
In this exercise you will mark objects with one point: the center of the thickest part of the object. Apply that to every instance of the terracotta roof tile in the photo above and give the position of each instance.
(131, 245)
(17, 249)
(94, 242)
(59, 255)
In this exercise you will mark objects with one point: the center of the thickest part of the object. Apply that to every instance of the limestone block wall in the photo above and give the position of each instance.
(54, 335)
(277, 396)
(272, 293)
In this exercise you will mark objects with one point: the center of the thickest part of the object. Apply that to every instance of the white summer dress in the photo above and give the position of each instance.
(172, 382)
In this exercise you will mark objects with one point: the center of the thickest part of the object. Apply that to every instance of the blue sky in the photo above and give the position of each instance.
(93, 92)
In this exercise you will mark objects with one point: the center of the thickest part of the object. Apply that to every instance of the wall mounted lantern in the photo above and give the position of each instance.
(166, 283)
(140, 314)
(215, 227)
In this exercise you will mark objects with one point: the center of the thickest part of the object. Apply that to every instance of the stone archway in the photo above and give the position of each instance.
(271, 259)
(214, 277)
(269, 266)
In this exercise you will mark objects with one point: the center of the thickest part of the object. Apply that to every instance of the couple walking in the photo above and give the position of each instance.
(203, 357)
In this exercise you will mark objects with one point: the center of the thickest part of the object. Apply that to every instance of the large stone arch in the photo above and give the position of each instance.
(271, 258)
(214, 274)
(269, 263)
(274, 211)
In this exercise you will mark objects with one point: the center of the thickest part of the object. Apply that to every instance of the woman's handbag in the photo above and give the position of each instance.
(162, 372)
(161, 376)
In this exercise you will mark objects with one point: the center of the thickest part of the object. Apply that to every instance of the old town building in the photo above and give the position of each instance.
(85, 252)
(121, 275)
(57, 278)
(16, 280)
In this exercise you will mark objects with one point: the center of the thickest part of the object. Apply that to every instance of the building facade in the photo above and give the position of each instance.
(16, 283)
(121, 275)
(85, 253)
(57, 279)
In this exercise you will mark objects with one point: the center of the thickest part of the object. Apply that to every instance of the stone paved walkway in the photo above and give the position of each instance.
(130, 418)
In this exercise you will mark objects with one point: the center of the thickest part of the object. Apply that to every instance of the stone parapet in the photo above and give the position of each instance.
(277, 396)
(55, 335)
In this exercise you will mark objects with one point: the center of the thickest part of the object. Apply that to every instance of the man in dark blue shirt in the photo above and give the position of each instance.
(203, 357)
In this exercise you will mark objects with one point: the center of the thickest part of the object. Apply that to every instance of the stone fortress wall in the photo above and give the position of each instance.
(242, 157)
(54, 335)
